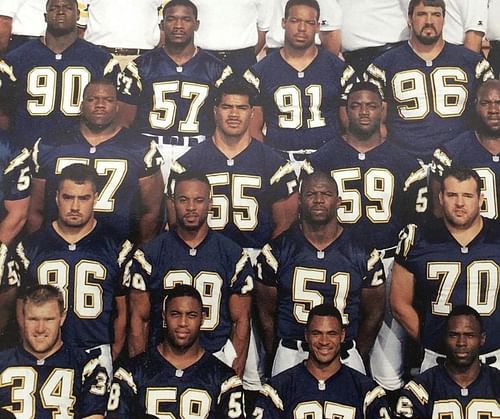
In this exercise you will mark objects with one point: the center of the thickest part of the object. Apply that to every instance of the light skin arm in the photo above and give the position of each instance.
(37, 205)
(240, 307)
(139, 311)
(371, 305)
(12, 224)
(7, 301)
(331, 40)
(151, 192)
(473, 40)
(285, 213)
(257, 123)
(401, 298)
(94, 417)
(120, 326)
(266, 298)
(261, 41)
(126, 114)
(5, 32)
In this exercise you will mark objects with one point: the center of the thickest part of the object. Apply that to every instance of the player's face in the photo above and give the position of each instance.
(488, 109)
(461, 202)
(99, 106)
(463, 340)
(364, 111)
(324, 336)
(183, 318)
(191, 202)
(300, 27)
(318, 202)
(426, 24)
(233, 114)
(41, 327)
(61, 16)
(179, 25)
(75, 203)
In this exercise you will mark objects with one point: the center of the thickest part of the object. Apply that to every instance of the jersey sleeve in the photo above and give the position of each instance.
(230, 403)
(94, 394)
(441, 160)
(375, 404)
(17, 176)
(407, 238)
(475, 15)
(41, 157)
(283, 181)
(21, 265)
(330, 15)
(139, 272)
(413, 402)
(268, 265)
(123, 395)
(411, 202)
(129, 83)
(375, 275)
(8, 80)
(243, 277)
(9, 277)
(124, 262)
(152, 160)
(178, 167)
(268, 404)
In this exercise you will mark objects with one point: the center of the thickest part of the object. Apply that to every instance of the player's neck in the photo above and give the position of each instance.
(465, 376)
(321, 236)
(96, 135)
(181, 358)
(46, 354)
(465, 235)
(229, 145)
(489, 142)
(192, 238)
(71, 234)
(299, 58)
(426, 52)
(58, 44)
(180, 54)
(323, 371)
(364, 145)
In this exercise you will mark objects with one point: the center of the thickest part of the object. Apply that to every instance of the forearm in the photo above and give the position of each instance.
(241, 338)
(408, 317)
(5, 32)
(149, 226)
(11, 226)
(120, 328)
(473, 40)
(367, 333)
(138, 335)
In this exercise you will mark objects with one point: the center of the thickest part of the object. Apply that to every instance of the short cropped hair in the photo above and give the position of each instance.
(236, 85)
(182, 290)
(41, 294)
(191, 175)
(430, 3)
(186, 3)
(324, 310)
(78, 173)
(461, 174)
(311, 3)
(98, 82)
(316, 175)
(364, 85)
(465, 310)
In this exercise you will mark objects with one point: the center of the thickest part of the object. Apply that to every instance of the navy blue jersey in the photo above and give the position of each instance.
(121, 161)
(447, 274)
(306, 277)
(48, 87)
(301, 107)
(9, 276)
(244, 188)
(434, 394)
(217, 268)
(67, 384)
(466, 150)
(172, 99)
(376, 188)
(87, 272)
(428, 102)
(152, 385)
(297, 394)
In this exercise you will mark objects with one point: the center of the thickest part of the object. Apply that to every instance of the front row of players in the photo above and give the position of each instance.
(45, 376)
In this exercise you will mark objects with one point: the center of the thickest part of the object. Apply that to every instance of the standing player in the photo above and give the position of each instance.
(460, 387)
(43, 377)
(47, 76)
(321, 387)
(451, 262)
(314, 262)
(428, 83)
(171, 89)
(253, 189)
(301, 87)
(83, 259)
(479, 149)
(194, 255)
(128, 164)
(177, 378)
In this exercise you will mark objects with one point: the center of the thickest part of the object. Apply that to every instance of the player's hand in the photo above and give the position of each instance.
(238, 366)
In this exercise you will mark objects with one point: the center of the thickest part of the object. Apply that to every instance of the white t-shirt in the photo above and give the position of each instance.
(462, 16)
(27, 16)
(372, 23)
(231, 24)
(121, 23)
(330, 20)
(493, 31)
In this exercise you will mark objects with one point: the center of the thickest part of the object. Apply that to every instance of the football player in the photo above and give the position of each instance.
(321, 387)
(47, 76)
(128, 164)
(177, 378)
(301, 87)
(428, 83)
(253, 189)
(169, 91)
(43, 377)
(449, 262)
(193, 254)
(84, 259)
(318, 261)
(461, 386)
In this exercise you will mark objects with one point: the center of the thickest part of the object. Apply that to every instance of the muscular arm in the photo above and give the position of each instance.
(401, 298)
(139, 310)
(7, 301)
(331, 40)
(120, 326)
(171, 214)
(261, 41)
(285, 213)
(126, 114)
(5, 32)
(371, 305)
(266, 298)
(473, 40)
(37, 205)
(151, 193)
(12, 224)
(240, 310)
(257, 123)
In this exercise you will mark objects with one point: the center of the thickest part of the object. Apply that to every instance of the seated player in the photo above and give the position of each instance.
(321, 386)
(177, 378)
(461, 386)
(44, 377)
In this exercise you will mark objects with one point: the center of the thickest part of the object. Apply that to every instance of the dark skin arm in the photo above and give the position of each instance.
(5, 32)
(240, 309)
(14, 220)
(120, 326)
(372, 304)
(285, 213)
(139, 312)
(37, 205)
(266, 298)
(151, 193)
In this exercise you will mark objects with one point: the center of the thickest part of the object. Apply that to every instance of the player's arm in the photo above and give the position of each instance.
(331, 40)
(126, 114)
(37, 205)
(285, 213)
(266, 298)
(151, 193)
(7, 307)
(257, 123)
(372, 304)
(120, 326)
(240, 307)
(139, 311)
(5, 32)
(122, 395)
(473, 40)
(401, 300)
(15, 218)
(261, 41)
